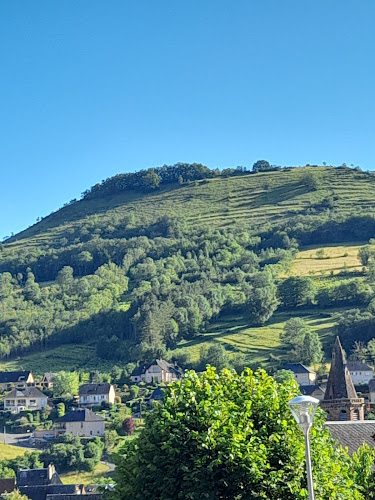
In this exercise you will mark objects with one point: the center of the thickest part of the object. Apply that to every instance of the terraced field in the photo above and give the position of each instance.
(259, 343)
(320, 261)
(254, 200)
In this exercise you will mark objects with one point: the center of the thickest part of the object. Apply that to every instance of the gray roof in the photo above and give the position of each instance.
(85, 415)
(297, 368)
(164, 365)
(28, 392)
(308, 390)
(40, 492)
(48, 376)
(13, 377)
(352, 434)
(358, 366)
(38, 477)
(87, 389)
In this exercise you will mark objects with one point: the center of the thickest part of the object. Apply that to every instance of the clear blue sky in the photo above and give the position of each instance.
(92, 88)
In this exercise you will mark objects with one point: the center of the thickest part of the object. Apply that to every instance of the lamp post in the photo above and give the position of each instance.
(303, 409)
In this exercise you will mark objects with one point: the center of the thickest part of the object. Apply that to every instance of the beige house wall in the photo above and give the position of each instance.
(13, 404)
(86, 429)
(97, 399)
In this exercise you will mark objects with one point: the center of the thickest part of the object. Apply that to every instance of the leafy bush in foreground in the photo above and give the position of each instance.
(229, 436)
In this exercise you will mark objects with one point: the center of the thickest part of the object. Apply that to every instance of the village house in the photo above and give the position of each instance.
(19, 380)
(315, 391)
(47, 380)
(45, 484)
(96, 394)
(29, 398)
(361, 373)
(302, 374)
(157, 371)
(84, 423)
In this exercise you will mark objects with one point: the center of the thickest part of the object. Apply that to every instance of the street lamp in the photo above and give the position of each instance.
(303, 409)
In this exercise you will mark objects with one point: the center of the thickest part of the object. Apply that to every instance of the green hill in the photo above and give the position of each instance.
(164, 258)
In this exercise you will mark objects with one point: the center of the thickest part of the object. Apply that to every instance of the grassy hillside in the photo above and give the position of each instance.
(8, 452)
(263, 198)
(129, 272)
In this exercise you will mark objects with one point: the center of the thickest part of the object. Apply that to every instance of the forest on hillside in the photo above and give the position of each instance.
(139, 289)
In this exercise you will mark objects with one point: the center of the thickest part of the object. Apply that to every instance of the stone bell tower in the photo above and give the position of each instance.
(341, 401)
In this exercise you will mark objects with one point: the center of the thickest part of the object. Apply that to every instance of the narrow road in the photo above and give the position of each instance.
(16, 439)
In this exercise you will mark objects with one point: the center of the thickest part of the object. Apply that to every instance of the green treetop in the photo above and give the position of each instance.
(228, 436)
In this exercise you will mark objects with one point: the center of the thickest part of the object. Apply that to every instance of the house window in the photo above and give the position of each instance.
(32, 402)
(21, 402)
(81, 425)
(9, 402)
(90, 433)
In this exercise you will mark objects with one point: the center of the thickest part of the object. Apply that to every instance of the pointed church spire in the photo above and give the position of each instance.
(340, 384)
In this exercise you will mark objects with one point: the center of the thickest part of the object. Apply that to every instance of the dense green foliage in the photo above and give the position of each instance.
(69, 453)
(9, 468)
(149, 259)
(232, 436)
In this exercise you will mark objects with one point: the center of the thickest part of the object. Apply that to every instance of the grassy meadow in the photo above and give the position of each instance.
(86, 478)
(328, 259)
(8, 452)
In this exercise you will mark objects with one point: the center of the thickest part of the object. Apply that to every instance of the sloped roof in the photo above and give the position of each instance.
(357, 366)
(13, 377)
(7, 485)
(28, 392)
(38, 477)
(164, 365)
(48, 376)
(308, 390)
(340, 384)
(157, 394)
(297, 368)
(88, 389)
(84, 415)
(353, 433)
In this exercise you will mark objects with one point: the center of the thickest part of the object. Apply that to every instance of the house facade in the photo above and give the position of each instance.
(84, 423)
(29, 398)
(96, 394)
(157, 371)
(47, 380)
(302, 374)
(361, 373)
(18, 380)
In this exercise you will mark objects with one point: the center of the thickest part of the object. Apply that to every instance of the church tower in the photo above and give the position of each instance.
(341, 401)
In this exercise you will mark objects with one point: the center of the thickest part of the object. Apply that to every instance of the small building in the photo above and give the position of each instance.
(157, 371)
(314, 391)
(29, 398)
(47, 380)
(19, 380)
(352, 434)
(39, 484)
(302, 374)
(361, 373)
(82, 422)
(96, 394)
(341, 401)
(157, 395)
